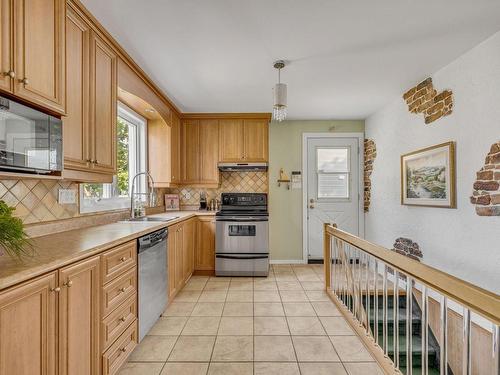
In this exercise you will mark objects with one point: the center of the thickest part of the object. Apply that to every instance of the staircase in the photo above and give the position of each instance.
(416, 323)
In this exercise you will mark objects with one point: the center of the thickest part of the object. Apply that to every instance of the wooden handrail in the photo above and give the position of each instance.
(478, 300)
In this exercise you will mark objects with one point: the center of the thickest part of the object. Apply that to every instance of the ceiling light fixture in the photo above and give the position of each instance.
(279, 108)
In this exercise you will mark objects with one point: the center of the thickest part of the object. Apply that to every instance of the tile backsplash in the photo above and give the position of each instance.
(230, 182)
(36, 200)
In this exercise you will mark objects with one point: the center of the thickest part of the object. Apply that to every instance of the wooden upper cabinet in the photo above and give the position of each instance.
(39, 50)
(79, 319)
(6, 68)
(76, 122)
(243, 140)
(103, 103)
(28, 328)
(190, 151)
(175, 149)
(230, 140)
(255, 139)
(200, 139)
(209, 151)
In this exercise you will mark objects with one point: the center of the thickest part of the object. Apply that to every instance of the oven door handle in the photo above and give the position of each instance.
(242, 256)
(242, 219)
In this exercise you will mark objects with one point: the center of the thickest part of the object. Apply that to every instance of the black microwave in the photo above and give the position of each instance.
(30, 140)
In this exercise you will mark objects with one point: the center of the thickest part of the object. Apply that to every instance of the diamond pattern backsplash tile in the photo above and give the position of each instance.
(35, 201)
(230, 182)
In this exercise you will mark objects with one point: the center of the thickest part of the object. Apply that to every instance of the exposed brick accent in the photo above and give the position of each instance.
(423, 98)
(486, 193)
(407, 247)
(370, 155)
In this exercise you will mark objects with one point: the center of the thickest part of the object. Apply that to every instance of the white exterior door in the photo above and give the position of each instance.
(332, 188)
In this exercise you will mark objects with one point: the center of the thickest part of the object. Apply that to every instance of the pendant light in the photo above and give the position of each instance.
(279, 108)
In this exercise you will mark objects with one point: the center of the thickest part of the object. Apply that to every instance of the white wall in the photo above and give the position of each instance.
(456, 241)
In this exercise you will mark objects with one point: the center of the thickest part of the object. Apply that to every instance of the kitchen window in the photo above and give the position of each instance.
(130, 160)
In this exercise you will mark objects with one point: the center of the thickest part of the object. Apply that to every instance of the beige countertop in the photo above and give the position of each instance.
(58, 250)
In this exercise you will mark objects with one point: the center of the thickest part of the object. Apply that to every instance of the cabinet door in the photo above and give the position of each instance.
(255, 138)
(230, 140)
(39, 52)
(205, 244)
(5, 46)
(175, 147)
(179, 257)
(28, 328)
(79, 318)
(171, 255)
(103, 86)
(76, 129)
(209, 151)
(188, 244)
(190, 151)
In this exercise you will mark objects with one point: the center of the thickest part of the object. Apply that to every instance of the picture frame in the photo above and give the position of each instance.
(428, 177)
(172, 202)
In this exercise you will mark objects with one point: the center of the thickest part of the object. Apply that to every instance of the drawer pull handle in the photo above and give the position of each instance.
(122, 319)
(122, 290)
(123, 259)
(68, 283)
(57, 290)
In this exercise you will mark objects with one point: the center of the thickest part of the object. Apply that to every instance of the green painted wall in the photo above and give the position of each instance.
(285, 206)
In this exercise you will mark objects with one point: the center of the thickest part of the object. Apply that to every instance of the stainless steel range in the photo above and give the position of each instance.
(242, 235)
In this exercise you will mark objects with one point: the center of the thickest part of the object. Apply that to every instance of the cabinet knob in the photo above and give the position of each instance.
(56, 290)
(68, 283)
(122, 290)
(123, 349)
(10, 73)
(123, 259)
(89, 160)
(122, 319)
(25, 81)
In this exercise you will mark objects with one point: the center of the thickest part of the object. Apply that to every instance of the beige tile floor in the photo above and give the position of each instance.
(283, 324)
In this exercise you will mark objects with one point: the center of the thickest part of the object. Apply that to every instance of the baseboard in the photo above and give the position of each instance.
(285, 261)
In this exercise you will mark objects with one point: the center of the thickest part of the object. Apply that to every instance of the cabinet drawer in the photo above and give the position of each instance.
(118, 260)
(118, 290)
(118, 353)
(115, 323)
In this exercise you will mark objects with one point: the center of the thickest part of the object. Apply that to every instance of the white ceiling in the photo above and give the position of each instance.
(347, 58)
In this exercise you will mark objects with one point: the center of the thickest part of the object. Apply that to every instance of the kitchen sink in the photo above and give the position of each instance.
(152, 218)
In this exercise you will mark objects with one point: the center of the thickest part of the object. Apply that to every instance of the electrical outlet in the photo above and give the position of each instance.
(67, 196)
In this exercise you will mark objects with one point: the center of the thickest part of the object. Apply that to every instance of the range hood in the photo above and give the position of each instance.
(242, 167)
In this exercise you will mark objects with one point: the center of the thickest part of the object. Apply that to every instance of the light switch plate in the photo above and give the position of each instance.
(67, 196)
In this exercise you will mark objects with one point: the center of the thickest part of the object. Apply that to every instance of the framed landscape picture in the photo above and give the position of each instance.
(428, 176)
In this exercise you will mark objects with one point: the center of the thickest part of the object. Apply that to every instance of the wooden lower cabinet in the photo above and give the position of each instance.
(205, 244)
(181, 245)
(120, 350)
(28, 323)
(79, 318)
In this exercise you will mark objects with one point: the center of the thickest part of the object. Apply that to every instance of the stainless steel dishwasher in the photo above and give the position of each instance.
(153, 279)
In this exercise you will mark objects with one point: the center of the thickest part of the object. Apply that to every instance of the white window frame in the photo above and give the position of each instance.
(110, 202)
(347, 173)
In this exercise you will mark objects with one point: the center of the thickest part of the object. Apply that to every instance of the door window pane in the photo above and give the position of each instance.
(333, 172)
(333, 185)
(333, 160)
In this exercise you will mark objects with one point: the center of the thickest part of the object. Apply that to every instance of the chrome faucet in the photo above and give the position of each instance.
(152, 196)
